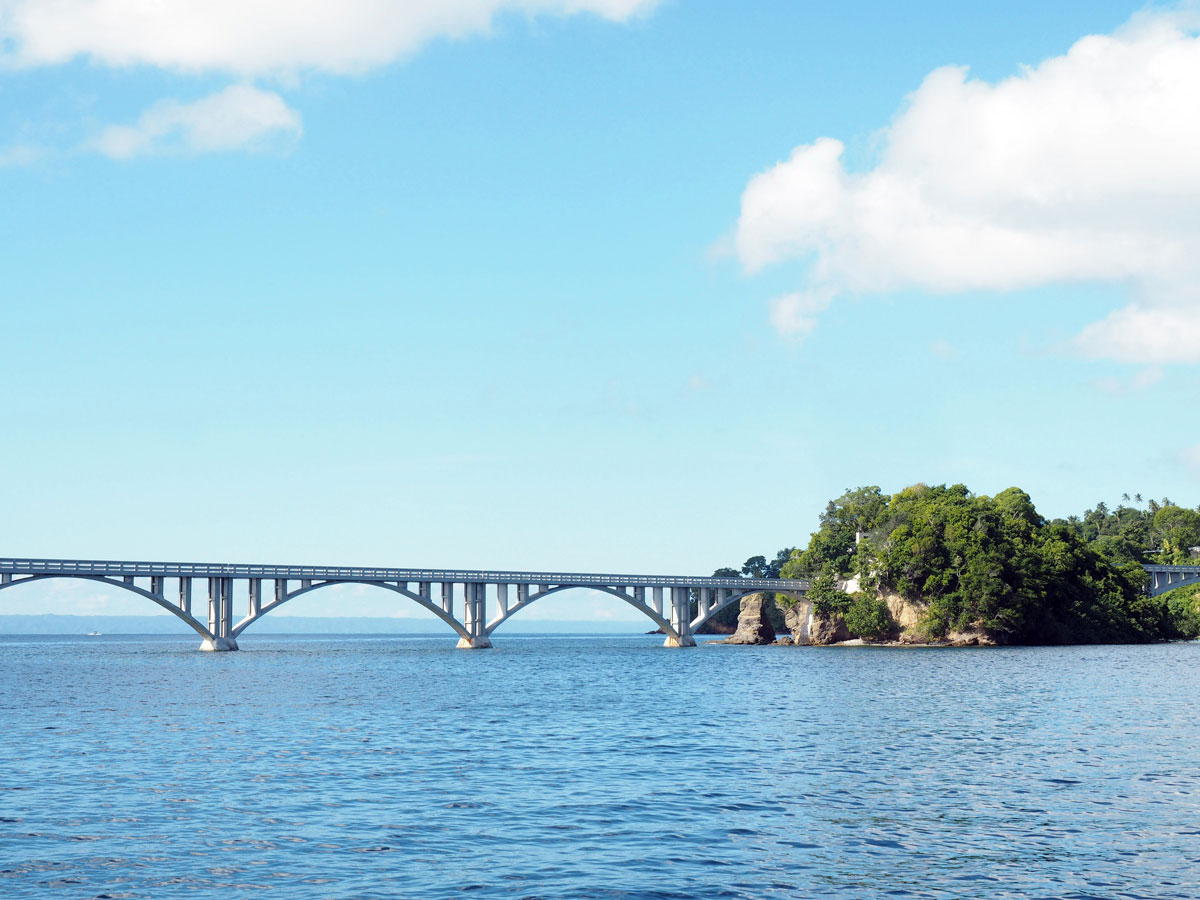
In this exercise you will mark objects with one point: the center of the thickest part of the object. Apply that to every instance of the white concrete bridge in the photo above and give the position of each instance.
(666, 600)
(1167, 578)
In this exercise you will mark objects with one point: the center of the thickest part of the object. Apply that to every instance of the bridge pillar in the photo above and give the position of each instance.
(681, 608)
(185, 595)
(475, 617)
(220, 615)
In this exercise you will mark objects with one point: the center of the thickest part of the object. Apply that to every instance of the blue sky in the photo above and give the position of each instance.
(509, 286)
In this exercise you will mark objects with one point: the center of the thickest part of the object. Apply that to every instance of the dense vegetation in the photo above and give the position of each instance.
(1160, 532)
(994, 564)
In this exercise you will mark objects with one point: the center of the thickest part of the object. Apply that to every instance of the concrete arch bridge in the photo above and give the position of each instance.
(487, 599)
(1167, 578)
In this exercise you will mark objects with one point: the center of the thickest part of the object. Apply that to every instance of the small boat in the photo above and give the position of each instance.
(93, 634)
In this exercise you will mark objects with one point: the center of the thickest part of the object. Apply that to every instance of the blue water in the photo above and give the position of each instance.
(558, 767)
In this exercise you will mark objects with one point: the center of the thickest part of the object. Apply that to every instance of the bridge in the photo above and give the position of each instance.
(1167, 578)
(677, 605)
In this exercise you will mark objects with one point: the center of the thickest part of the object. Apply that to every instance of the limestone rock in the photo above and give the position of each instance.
(828, 630)
(754, 625)
(796, 614)
(905, 613)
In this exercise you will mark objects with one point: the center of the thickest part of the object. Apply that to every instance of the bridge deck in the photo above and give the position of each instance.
(115, 568)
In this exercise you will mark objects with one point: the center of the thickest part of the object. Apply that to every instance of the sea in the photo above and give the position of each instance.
(595, 767)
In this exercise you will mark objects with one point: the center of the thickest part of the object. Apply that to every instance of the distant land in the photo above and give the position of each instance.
(166, 624)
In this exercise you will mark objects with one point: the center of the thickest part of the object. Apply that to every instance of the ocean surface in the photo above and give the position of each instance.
(605, 767)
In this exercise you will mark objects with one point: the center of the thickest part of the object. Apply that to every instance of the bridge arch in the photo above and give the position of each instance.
(1160, 586)
(424, 602)
(191, 621)
(648, 611)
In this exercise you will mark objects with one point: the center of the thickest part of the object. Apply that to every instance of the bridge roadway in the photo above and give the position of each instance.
(437, 590)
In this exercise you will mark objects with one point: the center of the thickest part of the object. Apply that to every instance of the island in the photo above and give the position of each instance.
(942, 565)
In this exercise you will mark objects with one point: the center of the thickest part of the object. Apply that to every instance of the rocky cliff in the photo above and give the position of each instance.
(907, 618)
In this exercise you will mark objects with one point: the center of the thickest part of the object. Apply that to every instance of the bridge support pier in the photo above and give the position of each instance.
(681, 619)
(220, 615)
(475, 618)
(474, 643)
(221, 643)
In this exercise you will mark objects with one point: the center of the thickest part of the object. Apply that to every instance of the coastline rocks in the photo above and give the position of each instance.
(754, 624)
(829, 630)
(973, 638)
(796, 616)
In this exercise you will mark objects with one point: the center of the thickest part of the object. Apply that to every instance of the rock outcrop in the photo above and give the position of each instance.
(754, 622)
(828, 630)
(905, 613)
(796, 614)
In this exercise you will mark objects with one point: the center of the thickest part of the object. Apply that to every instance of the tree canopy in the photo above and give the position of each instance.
(994, 563)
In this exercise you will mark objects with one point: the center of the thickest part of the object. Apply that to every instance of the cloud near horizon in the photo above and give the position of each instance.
(255, 38)
(1083, 168)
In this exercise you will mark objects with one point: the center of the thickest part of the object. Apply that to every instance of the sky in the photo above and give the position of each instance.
(580, 285)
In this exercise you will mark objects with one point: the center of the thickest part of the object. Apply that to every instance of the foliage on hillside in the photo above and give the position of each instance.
(1162, 532)
(994, 563)
(1183, 606)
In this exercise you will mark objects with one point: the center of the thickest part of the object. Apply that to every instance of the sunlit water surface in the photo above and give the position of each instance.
(558, 767)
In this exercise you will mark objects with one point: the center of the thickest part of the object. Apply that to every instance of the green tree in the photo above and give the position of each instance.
(842, 524)
(1175, 530)
(867, 617)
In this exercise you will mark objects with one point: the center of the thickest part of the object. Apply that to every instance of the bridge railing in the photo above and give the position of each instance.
(111, 568)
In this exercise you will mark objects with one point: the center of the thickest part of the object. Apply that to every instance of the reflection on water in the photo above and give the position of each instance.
(597, 767)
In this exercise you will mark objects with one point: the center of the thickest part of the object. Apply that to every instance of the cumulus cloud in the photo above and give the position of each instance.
(1083, 168)
(238, 117)
(257, 37)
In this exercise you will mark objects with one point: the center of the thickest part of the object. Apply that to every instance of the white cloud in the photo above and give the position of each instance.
(237, 117)
(257, 37)
(795, 315)
(1084, 168)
